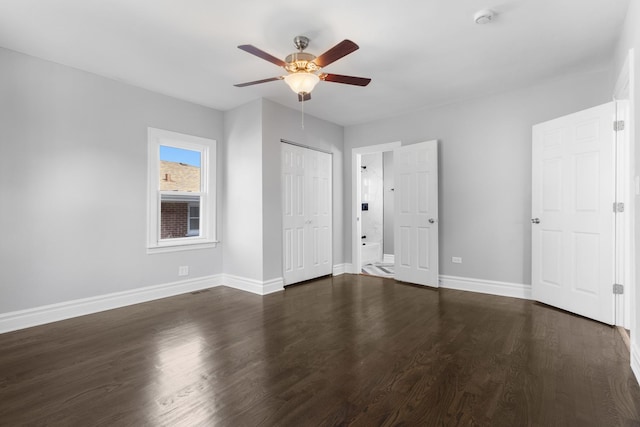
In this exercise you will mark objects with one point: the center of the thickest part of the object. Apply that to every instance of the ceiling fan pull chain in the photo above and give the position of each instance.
(302, 110)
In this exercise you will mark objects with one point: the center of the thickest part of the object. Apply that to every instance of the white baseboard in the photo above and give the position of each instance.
(388, 258)
(339, 269)
(347, 268)
(635, 361)
(505, 289)
(252, 285)
(15, 320)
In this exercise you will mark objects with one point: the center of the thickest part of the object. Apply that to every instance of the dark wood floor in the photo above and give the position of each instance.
(349, 350)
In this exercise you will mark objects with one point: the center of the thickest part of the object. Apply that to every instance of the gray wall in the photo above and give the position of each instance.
(484, 170)
(630, 38)
(73, 180)
(73, 171)
(242, 238)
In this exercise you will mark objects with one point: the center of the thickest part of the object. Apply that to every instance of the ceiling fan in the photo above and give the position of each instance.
(304, 70)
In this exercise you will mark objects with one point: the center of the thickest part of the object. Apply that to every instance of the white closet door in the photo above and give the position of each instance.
(294, 213)
(318, 177)
(307, 225)
(572, 213)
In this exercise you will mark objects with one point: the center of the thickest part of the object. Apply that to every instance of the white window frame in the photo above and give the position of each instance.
(207, 148)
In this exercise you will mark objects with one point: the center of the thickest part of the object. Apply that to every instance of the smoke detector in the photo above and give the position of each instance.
(484, 16)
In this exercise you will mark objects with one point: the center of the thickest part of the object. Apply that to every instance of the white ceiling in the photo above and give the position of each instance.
(418, 52)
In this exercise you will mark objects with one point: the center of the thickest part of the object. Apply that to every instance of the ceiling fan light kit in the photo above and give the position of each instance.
(302, 82)
(304, 69)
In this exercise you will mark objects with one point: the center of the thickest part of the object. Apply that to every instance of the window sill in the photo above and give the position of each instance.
(181, 247)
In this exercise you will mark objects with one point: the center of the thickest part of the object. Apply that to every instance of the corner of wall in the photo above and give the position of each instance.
(339, 269)
(257, 287)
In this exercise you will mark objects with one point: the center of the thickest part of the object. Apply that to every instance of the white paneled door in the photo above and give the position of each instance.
(572, 213)
(416, 213)
(306, 194)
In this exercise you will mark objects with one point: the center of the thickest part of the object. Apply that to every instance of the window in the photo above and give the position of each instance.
(181, 198)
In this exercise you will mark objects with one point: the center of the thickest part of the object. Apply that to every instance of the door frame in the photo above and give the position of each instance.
(624, 230)
(626, 310)
(356, 197)
(625, 260)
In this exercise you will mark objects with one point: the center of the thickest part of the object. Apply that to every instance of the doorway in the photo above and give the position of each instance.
(374, 251)
(377, 191)
(415, 211)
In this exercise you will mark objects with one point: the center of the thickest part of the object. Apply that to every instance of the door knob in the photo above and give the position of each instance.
(431, 220)
(535, 220)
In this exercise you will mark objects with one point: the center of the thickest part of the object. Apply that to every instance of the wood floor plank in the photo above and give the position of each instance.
(347, 350)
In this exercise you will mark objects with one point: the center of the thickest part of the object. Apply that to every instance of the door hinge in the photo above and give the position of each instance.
(618, 125)
(618, 289)
(618, 207)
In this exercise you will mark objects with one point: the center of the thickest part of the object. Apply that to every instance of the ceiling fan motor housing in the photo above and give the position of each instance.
(301, 62)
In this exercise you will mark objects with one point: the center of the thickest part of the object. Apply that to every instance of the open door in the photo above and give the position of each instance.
(572, 230)
(416, 213)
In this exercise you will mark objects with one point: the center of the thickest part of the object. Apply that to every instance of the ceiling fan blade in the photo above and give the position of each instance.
(348, 80)
(340, 50)
(262, 54)
(305, 97)
(272, 79)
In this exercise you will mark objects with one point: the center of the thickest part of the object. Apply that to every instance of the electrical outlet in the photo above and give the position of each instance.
(456, 260)
(183, 270)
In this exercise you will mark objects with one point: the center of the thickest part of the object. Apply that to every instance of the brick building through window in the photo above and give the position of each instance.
(179, 214)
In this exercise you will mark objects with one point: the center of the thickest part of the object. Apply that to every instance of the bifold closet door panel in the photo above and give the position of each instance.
(307, 213)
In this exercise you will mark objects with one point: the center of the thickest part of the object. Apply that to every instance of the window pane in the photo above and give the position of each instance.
(179, 169)
(194, 219)
(175, 219)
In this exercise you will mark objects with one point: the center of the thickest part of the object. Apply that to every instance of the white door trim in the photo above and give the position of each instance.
(625, 309)
(624, 261)
(356, 197)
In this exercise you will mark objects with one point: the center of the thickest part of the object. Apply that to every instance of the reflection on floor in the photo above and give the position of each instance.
(378, 269)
